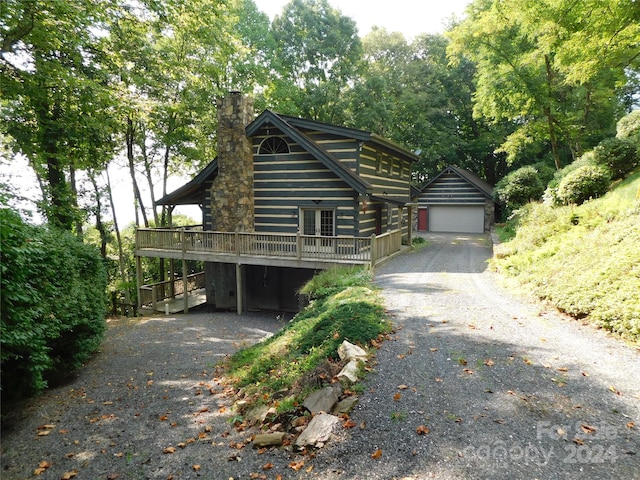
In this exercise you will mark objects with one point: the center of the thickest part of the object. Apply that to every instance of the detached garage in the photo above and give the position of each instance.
(456, 201)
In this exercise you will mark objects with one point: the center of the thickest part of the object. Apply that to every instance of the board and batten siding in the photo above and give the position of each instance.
(451, 189)
(285, 183)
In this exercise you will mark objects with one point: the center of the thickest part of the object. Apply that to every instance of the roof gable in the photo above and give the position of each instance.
(471, 178)
(270, 118)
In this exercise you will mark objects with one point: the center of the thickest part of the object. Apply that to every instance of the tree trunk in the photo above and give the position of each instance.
(549, 114)
(130, 138)
(123, 274)
(98, 214)
(74, 201)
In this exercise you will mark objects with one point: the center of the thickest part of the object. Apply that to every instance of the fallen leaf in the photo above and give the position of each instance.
(48, 426)
(562, 369)
(296, 465)
(401, 356)
(44, 464)
(462, 361)
(488, 362)
(527, 361)
(402, 387)
(267, 466)
(113, 476)
(69, 475)
(44, 433)
(630, 425)
(182, 445)
(615, 390)
(468, 370)
(587, 428)
(195, 467)
(377, 454)
(309, 469)
(208, 428)
(422, 430)
(578, 441)
(397, 396)
(169, 450)
(39, 471)
(349, 424)
(163, 418)
(438, 379)
(499, 421)
(63, 432)
(433, 349)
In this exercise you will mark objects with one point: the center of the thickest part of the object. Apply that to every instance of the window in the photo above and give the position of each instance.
(379, 162)
(273, 146)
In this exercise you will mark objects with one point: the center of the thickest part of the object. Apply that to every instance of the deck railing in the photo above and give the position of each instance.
(153, 293)
(339, 249)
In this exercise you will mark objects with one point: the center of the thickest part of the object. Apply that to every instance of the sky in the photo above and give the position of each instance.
(410, 17)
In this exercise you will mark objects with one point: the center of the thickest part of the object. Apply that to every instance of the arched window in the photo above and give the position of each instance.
(273, 146)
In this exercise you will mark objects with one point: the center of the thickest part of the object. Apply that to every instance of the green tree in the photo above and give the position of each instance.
(317, 54)
(57, 100)
(526, 73)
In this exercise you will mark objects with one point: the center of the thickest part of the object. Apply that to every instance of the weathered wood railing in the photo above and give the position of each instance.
(153, 293)
(339, 249)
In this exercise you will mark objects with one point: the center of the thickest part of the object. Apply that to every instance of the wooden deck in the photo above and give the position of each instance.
(175, 305)
(269, 249)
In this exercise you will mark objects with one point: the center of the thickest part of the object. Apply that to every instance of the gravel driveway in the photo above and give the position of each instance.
(501, 389)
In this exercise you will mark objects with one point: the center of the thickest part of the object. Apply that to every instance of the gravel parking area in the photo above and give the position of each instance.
(474, 384)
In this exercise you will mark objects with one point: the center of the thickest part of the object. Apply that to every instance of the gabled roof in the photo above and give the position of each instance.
(332, 163)
(294, 127)
(189, 193)
(470, 177)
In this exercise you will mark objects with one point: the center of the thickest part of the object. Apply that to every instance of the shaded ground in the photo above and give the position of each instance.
(505, 389)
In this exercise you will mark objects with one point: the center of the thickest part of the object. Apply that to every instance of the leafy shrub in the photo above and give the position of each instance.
(584, 183)
(629, 127)
(619, 155)
(519, 188)
(53, 304)
(551, 193)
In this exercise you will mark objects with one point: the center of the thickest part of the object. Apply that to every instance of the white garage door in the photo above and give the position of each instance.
(456, 218)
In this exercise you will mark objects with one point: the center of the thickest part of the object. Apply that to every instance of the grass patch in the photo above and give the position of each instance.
(583, 259)
(303, 355)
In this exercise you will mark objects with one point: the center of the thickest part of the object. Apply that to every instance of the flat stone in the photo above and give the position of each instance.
(345, 406)
(350, 371)
(321, 400)
(257, 414)
(268, 439)
(349, 351)
(319, 430)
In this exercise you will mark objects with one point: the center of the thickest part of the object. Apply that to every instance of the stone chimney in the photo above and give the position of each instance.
(232, 198)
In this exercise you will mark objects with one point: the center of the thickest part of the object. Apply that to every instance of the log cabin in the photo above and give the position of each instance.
(284, 198)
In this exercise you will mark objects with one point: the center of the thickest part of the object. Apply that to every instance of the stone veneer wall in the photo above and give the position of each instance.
(232, 197)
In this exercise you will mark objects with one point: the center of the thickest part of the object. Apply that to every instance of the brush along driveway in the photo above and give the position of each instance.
(473, 385)
(498, 388)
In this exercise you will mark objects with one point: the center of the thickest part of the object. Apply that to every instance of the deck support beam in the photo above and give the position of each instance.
(185, 286)
(239, 288)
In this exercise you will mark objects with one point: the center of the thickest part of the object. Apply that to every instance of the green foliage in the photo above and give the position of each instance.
(619, 155)
(311, 339)
(334, 280)
(589, 268)
(53, 304)
(582, 184)
(629, 127)
(519, 187)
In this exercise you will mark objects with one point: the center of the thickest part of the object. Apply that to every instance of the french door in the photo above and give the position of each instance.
(318, 223)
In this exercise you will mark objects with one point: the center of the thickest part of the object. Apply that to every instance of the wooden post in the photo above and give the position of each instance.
(410, 225)
(185, 285)
(239, 288)
(139, 278)
(154, 297)
(298, 246)
(373, 250)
